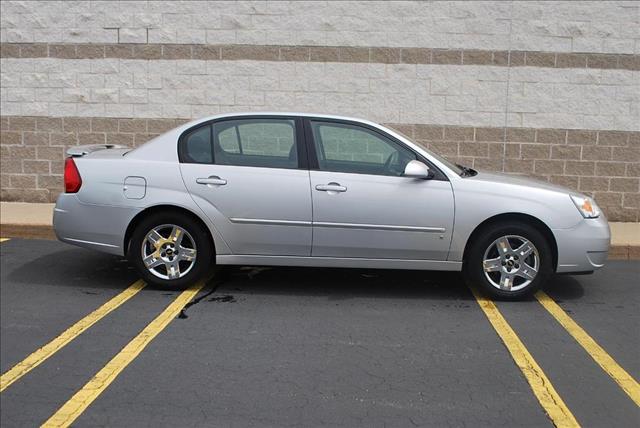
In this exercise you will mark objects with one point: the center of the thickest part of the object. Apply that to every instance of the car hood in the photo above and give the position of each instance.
(518, 180)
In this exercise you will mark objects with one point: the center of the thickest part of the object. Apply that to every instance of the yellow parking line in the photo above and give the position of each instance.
(628, 384)
(544, 391)
(77, 404)
(4, 239)
(39, 356)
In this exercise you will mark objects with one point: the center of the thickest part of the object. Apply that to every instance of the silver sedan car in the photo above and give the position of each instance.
(298, 189)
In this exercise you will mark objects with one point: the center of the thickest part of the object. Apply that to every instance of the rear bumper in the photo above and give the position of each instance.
(583, 248)
(99, 227)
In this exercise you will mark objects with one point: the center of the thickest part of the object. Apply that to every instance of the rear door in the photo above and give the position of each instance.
(249, 175)
(363, 206)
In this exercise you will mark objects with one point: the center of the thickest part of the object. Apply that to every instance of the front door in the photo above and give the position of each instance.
(246, 176)
(363, 206)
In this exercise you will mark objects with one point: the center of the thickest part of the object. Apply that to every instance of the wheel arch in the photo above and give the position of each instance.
(135, 221)
(521, 217)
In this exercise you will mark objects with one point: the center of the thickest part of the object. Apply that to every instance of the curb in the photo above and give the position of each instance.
(28, 231)
(624, 252)
(45, 231)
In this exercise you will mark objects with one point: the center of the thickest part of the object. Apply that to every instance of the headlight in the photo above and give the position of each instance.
(586, 206)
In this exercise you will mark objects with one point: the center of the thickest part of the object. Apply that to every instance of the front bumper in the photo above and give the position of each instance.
(584, 247)
(100, 227)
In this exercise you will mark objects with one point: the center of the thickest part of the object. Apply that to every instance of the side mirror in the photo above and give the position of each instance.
(417, 169)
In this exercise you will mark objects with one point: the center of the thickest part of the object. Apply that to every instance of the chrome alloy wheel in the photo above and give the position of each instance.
(169, 251)
(511, 263)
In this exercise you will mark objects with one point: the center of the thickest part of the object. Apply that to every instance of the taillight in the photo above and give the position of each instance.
(72, 179)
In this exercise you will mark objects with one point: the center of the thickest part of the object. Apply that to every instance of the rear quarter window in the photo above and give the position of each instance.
(196, 146)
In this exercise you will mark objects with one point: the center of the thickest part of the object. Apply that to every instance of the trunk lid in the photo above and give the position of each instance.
(98, 150)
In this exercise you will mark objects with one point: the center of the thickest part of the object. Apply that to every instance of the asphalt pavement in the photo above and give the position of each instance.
(263, 347)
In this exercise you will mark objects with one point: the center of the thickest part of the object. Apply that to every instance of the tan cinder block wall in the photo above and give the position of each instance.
(546, 89)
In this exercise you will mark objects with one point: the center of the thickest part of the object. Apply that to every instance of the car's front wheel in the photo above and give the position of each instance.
(170, 250)
(509, 261)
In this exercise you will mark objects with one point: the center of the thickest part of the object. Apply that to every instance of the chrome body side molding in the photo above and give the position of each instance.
(381, 227)
(338, 225)
(269, 222)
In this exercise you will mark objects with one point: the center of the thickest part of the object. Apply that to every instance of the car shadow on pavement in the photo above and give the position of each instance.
(79, 267)
(342, 284)
(76, 268)
(565, 287)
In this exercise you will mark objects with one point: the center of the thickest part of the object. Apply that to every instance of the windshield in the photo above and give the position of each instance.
(452, 166)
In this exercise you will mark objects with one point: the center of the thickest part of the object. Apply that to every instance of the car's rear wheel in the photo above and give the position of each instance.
(509, 261)
(170, 250)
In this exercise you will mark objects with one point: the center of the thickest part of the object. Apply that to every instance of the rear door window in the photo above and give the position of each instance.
(267, 143)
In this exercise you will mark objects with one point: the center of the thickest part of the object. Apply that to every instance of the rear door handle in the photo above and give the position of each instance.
(212, 180)
(331, 187)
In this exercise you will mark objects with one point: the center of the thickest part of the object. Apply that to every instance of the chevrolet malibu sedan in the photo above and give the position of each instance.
(296, 189)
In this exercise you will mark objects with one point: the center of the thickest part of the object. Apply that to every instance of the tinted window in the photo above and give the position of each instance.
(269, 143)
(229, 141)
(353, 149)
(197, 146)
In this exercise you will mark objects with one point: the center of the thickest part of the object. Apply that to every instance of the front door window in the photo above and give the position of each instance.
(357, 150)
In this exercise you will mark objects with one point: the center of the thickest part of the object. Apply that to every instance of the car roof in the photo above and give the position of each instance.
(275, 113)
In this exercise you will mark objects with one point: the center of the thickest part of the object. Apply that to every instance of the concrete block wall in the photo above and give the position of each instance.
(547, 89)
(564, 26)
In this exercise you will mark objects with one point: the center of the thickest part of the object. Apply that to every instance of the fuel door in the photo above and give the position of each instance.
(134, 187)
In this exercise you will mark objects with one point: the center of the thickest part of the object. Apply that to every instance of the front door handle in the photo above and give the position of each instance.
(212, 180)
(331, 187)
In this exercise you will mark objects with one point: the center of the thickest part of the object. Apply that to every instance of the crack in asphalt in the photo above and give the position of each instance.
(214, 287)
(227, 298)
(250, 272)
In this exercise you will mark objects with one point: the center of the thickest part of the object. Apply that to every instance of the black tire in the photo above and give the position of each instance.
(204, 258)
(473, 269)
